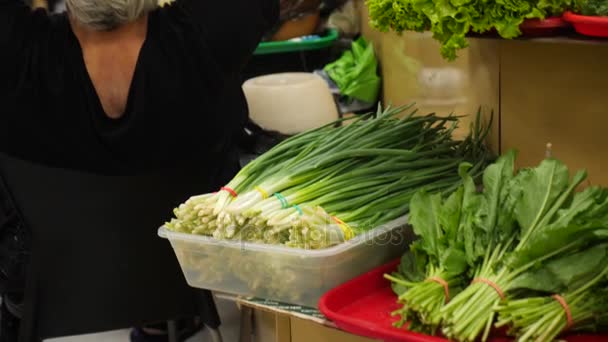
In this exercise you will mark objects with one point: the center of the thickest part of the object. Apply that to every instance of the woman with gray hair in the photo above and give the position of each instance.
(124, 87)
(110, 14)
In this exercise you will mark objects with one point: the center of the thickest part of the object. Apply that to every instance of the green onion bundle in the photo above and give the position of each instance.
(325, 186)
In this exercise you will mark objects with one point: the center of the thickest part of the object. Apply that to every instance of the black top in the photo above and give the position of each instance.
(185, 103)
(92, 211)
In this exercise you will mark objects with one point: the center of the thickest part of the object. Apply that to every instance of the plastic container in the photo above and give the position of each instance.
(290, 103)
(588, 25)
(281, 273)
(363, 307)
(293, 46)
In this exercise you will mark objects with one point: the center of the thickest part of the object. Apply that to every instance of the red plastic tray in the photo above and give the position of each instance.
(588, 25)
(552, 26)
(542, 28)
(363, 305)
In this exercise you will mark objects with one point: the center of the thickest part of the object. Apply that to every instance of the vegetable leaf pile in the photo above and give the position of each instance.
(507, 251)
(451, 20)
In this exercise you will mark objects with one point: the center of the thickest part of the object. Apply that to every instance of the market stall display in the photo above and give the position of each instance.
(322, 206)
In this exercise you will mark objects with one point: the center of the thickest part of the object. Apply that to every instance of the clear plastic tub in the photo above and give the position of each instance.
(281, 273)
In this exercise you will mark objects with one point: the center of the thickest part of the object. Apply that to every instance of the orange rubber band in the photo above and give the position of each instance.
(230, 191)
(490, 283)
(564, 305)
(446, 286)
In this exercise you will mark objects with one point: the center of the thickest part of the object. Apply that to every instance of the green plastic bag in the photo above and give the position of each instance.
(355, 73)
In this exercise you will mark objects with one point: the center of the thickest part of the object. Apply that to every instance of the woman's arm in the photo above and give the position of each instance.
(233, 29)
(19, 28)
(22, 33)
(13, 16)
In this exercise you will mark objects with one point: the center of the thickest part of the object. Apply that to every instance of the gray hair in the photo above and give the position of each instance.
(105, 15)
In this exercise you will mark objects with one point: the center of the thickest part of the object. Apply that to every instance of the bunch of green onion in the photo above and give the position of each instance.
(325, 186)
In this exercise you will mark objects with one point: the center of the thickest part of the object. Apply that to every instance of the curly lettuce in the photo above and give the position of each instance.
(451, 20)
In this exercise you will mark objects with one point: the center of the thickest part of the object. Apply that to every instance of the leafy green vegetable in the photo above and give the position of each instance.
(593, 7)
(355, 72)
(553, 222)
(524, 237)
(581, 280)
(439, 223)
(564, 273)
(451, 20)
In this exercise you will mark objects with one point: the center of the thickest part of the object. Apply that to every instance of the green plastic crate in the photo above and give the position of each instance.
(267, 48)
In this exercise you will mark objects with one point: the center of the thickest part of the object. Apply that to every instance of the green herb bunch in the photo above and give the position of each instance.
(517, 251)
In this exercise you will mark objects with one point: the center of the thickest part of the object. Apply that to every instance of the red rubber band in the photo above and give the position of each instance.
(229, 190)
(564, 305)
(446, 286)
(490, 283)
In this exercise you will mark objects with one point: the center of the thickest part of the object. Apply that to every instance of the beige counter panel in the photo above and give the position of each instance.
(413, 71)
(305, 331)
(368, 32)
(558, 93)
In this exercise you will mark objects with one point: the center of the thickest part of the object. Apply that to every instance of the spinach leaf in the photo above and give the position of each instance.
(540, 189)
(565, 272)
(424, 218)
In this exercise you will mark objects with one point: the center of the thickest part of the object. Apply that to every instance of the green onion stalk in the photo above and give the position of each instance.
(198, 215)
(321, 168)
(347, 144)
(323, 187)
(330, 225)
(378, 199)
